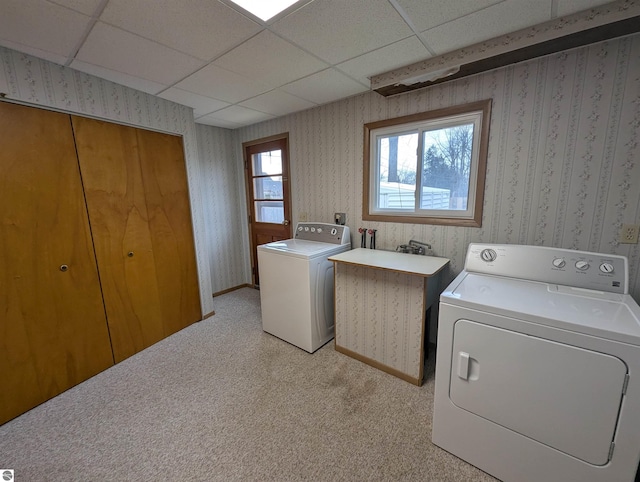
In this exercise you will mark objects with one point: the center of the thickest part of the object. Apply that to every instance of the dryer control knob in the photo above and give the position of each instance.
(559, 262)
(606, 268)
(488, 255)
(582, 265)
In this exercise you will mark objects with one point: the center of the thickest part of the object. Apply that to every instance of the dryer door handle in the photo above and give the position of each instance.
(463, 365)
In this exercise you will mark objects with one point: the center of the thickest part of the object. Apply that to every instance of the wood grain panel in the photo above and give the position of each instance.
(53, 332)
(167, 196)
(115, 194)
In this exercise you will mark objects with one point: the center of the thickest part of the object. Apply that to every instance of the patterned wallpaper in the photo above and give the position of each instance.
(225, 206)
(564, 154)
(34, 81)
(379, 315)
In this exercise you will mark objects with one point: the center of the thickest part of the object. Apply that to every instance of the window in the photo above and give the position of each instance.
(427, 168)
(268, 193)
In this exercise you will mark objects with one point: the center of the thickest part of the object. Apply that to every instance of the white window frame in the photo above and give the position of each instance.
(476, 113)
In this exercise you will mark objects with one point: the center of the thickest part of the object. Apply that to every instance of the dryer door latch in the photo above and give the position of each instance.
(463, 365)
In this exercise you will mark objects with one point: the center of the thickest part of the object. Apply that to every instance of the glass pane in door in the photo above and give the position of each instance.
(269, 211)
(267, 187)
(266, 163)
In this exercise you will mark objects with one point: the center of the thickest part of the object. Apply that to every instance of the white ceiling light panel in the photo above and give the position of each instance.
(264, 10)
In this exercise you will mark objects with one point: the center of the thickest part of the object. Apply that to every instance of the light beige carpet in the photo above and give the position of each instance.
(223, 401)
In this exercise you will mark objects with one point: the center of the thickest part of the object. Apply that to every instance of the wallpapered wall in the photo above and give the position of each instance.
(564, 154)
(225, 207)
(31, 80)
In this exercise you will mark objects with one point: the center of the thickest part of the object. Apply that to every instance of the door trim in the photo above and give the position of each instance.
(248, 191)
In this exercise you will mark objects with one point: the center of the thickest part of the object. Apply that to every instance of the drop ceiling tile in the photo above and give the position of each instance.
(567, 7)
(115, 49)
(497, 20)
(219, 83)
(337, 30)
(200, 28)
(201, 105)
(59, 30)
(238, 115)
(213, 121)
(271, 59)
(425, 15)
(277, 103)
(88, 7)
(137, 83)
(326, 86)
(387, 58)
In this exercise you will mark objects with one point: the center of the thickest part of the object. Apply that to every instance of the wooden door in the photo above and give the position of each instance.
(108, 155)
(169, 211)
(268, 193)
(138, 201)
(53, 331)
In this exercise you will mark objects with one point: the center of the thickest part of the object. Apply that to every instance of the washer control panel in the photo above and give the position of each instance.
(579, 269)
(323, 233)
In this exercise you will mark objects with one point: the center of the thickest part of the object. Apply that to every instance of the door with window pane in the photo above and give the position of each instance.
(267, 175)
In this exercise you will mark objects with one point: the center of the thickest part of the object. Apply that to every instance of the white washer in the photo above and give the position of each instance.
(538, 365)
(296, 284)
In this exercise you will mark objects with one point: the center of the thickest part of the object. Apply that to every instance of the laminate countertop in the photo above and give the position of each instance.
(425, 266)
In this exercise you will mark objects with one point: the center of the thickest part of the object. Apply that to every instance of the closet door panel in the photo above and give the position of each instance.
(167, 197)
(53, 331)
(108, 156)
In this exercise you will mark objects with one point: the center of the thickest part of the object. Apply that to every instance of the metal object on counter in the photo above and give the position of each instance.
(372, 233)
(363, 237)
(414, 247)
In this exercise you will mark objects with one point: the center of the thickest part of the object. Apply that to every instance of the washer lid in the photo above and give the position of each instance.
(606, 315)
(303, 248)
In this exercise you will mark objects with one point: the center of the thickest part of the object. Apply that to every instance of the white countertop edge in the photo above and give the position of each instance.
(419, 265)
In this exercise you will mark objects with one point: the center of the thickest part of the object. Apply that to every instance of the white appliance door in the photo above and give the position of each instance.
(562, 396)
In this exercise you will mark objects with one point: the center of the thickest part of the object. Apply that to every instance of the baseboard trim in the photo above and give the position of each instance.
(229, 290)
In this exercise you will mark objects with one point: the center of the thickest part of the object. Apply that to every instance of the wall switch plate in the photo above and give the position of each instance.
(629, 233)
(341, 218)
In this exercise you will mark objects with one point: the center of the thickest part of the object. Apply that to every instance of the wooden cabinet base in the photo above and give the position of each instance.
(380, 366)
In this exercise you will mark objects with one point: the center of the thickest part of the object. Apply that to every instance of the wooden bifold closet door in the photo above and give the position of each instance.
(97, 260)
(137, 198)
(53, 331)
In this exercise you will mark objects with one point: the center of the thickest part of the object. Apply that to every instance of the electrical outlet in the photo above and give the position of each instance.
(629, 233)
(302, 217)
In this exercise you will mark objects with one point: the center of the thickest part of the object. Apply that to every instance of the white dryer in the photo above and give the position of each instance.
(538, 365)
(296, 284)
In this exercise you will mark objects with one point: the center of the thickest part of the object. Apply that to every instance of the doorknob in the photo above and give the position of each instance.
(285, 222)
